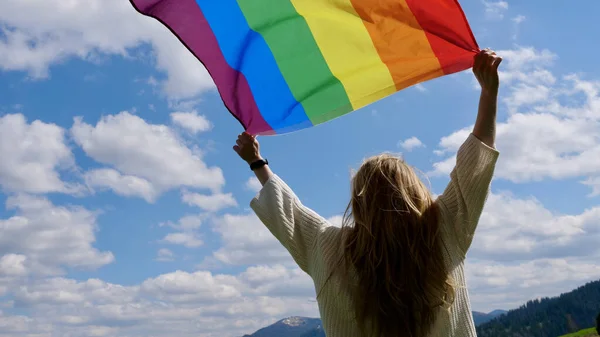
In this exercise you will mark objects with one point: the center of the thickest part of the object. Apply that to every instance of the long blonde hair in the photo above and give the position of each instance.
(392, 243)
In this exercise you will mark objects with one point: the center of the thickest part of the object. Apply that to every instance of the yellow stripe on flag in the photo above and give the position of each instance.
(348, 49)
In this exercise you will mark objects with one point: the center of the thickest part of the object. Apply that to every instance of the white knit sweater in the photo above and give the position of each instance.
(316, 245)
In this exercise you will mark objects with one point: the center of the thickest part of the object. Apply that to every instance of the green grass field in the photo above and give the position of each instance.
(583, 333)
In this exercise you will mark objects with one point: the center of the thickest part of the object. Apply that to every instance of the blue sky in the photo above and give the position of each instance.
(126, 211)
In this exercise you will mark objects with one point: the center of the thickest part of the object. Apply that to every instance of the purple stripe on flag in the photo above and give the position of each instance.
(185, 19)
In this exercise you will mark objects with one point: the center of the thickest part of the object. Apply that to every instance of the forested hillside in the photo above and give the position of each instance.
(548, 317)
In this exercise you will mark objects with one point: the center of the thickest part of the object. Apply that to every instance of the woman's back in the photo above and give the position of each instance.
(318, 247)
(336, 303)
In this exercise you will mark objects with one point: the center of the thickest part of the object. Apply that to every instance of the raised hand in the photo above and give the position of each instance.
(486, 70)
(247, 147)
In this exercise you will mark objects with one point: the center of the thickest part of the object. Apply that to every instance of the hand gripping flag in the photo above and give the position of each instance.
(285, 65)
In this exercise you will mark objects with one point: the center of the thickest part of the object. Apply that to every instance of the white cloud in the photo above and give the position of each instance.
(553, 127)
(191, 121)
(211, 203)
(526, 59)
(525, 94)
(420, 87)
(202, 286)
(518, 242)
(164, 255)
(247, 241)
(538, 76)
(124, 185)
(253, 184)
(187, 222)
(529, 231)
(411, 144)
(13, 265)
(187, 239)
(495, 285)
(46, 238)
(60, 291)
(594, 183)
(535, 146)
(181, 303)
(495, 9)
(20, 324)
(187, 231)
(33, 155)
(144, 154)
(526, 76)
(336, 220)
(278, 280)
(519, 19)
(39, 34)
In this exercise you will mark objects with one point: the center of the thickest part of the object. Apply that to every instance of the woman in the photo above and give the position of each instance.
(395, 268)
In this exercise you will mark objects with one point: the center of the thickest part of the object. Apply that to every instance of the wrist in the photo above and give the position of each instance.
(258, 164)
(254, 159)
(489, 92)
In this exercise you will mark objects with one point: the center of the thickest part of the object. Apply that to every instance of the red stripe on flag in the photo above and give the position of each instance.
(448, 32)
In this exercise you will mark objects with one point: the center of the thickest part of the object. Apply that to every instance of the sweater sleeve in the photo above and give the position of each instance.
(294, 225)
(465, 196)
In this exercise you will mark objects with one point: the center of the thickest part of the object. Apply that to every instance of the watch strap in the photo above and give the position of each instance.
(258, 164)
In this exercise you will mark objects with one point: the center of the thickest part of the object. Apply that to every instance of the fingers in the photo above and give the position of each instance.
(246, 138)
(490, 59)
(479, 59)
(485, 68)
(497, 62)
(243, 141)
(486, 60)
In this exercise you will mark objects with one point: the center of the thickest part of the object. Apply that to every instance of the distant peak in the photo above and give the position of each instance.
(294, 321)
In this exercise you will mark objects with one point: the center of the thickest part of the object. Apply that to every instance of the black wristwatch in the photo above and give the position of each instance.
(258, 164)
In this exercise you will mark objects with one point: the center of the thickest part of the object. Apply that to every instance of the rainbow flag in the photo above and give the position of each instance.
(285, 65)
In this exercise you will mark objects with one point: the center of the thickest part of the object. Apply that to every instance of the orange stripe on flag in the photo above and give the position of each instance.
(448, 32)
(400, 41)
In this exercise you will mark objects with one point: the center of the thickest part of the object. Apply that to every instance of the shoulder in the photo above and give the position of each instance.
(449, 238)
(328, 254)
(330, 244)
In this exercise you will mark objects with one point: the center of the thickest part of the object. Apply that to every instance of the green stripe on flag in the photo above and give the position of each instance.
(299, 59)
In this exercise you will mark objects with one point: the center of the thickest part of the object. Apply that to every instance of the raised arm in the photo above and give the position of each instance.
(294, 225)
(463, 199)
(486, 72)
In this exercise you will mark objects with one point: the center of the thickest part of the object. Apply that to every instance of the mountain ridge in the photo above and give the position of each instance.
(298, 326)
(293, 326)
